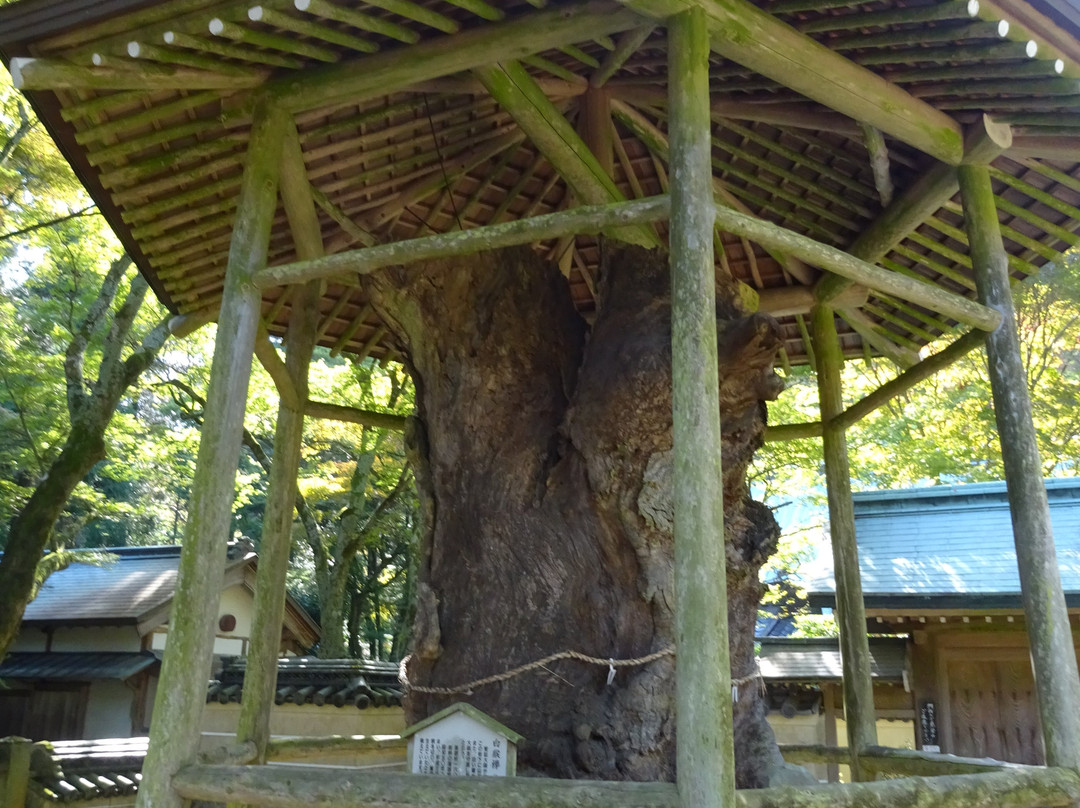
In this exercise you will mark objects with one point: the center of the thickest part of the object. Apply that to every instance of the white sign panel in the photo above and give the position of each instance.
(458, 746)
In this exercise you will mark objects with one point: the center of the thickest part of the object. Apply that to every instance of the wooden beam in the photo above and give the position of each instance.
(704, 748)
(384, 73)
(871, 335)
(755, 39)
(784, 301)
(879, 163)
(585, 220)
(274, 366)
(174, 735)
(1053, 658)
(773, 236)
(923, 198)
(909, 378)
(352, 415)
(828, 698)
(552, 134)
(850, 612)
(793, 114)
(28, 73)
(781, 432)
(184, 325)
(1046, 147)
(628, 45)
(292, 786)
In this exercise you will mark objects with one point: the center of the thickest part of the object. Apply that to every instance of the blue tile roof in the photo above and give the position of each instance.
(953, 540)
(817, 659)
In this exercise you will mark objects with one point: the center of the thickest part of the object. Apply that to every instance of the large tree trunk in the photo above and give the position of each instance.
(30, 530)
(548, 473)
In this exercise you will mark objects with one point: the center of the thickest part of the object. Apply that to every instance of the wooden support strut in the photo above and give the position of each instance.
(260, 674)
(353, 415)
(587, 220)
(597, 218)
(384, 73)
(181, 694)
(704, 751)
(772, 236)
(518, 94)
(851, 613)
(1053, 657)
(924, 197)
(888, 391)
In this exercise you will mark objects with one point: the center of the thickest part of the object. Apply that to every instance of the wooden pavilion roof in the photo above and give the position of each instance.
(151, 103)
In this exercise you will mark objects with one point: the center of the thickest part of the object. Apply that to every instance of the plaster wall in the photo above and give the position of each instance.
(308, 720)
(88, 638)
(108, 710)
(236, 601)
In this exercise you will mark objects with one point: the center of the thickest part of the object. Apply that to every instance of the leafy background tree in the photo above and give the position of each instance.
(59, 263)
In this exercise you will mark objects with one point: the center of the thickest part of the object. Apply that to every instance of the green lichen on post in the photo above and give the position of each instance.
(1053, 657)
(181, 693)
(704, 751)
(851, 614)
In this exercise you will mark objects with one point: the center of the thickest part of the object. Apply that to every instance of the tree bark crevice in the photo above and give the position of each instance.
(547, 499)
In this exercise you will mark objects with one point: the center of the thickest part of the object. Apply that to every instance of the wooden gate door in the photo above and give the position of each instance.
(992, 707)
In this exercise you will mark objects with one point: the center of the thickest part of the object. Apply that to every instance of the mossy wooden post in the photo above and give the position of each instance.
(704, 754)
(851, 615)
(15, 771)
(260, 674)
(181, 693)
(1052, 656)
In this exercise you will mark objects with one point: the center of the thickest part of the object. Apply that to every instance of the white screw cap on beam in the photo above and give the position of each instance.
(17, 65)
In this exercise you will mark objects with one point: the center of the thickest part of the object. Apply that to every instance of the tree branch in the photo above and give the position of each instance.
(22, 420)
(353, 545)
(110, 382)
(25, 125)
(89, 210)
(76, 350)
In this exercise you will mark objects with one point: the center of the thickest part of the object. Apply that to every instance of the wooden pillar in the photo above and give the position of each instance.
(260, 674)
(1052, 656)
(704, 750)
(15, 771)
(828, 698)
(181, 693)
(850, 613)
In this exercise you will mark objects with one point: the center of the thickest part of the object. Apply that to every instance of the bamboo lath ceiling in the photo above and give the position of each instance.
(398, 160)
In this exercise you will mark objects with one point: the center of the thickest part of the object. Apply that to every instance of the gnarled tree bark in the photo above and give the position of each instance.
(544, 455)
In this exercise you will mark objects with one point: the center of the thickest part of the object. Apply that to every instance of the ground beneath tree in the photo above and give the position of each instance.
(543, 455)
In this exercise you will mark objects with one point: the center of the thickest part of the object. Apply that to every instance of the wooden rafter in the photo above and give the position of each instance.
(556, 139)
(384, 73)
(754, 38)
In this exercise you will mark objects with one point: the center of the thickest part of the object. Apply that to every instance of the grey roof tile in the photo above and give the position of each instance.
(75, 665)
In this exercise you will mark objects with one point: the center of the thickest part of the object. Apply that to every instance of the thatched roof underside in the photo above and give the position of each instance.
(165, 165)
